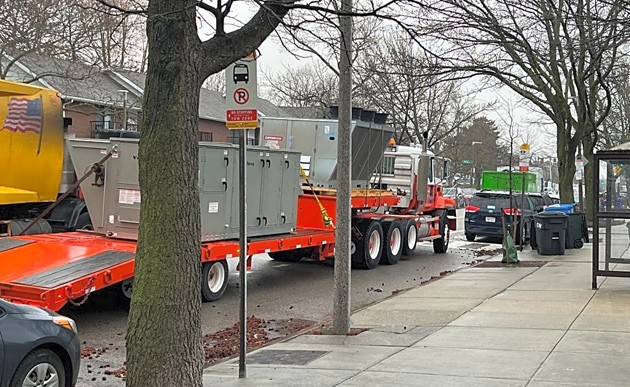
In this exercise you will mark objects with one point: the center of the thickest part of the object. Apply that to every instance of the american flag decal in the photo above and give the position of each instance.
(24, 115)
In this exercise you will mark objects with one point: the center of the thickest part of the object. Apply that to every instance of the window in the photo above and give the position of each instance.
(205, 136)
(388, 165)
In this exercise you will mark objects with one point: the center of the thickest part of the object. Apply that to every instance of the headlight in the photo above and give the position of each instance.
(66, 322)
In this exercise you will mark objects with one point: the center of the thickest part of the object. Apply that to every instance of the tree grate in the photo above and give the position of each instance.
(285, 357)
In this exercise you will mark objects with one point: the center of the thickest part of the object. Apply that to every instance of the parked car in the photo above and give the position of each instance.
(37, 347)
(468, 194)
(456, 194)
(483, 214)
(540, 200)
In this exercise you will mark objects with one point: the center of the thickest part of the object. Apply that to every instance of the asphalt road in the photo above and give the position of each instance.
(276, 290)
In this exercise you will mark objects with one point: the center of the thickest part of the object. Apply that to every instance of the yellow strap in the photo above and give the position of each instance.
(328, 222)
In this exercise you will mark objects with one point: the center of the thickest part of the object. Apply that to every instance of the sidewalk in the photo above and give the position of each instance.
(483, 326)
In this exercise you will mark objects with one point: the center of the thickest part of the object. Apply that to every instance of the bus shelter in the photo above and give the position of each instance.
(611, 213)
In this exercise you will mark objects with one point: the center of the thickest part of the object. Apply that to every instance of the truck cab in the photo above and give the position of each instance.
(399, 171)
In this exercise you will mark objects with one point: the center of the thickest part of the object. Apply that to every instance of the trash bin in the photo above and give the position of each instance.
(564, 208)
(550, 232)
(575, 230)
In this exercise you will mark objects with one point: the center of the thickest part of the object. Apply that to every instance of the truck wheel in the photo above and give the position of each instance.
(124, 295)
(370, 247)
(441, 245)
(470, 237)
(411, 237)
(392, 242)
(214, 279)
(84, 222)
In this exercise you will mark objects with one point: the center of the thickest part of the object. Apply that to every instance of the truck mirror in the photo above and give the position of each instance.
(447, 165)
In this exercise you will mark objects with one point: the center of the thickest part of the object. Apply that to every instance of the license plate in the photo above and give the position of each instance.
(490, 219)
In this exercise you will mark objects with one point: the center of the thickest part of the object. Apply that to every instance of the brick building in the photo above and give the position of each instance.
(102, 102)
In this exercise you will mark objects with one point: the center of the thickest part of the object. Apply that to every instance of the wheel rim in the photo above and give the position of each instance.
(42, 375)
(374, 244)
(412, 237)
(127, 287)
(446, 234)
(353, 248)
(395, 241)
(216, 277)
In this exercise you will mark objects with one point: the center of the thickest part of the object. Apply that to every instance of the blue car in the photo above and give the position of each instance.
(483, 215)
(37, 347)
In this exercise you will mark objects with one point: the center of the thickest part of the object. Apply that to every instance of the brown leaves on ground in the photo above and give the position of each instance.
(225, 343)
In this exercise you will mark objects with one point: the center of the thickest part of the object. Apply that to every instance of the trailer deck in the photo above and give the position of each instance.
(51, 270)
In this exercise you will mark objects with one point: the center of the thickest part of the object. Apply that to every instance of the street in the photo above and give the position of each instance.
(276, 291)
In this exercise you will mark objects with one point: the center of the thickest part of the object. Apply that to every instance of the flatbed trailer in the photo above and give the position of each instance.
(51, 270)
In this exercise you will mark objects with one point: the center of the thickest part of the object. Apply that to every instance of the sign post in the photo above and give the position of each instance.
(523, 166)
(242, 113)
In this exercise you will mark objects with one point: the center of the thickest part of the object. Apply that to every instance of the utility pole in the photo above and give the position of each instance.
(125, 93)
(341, 308)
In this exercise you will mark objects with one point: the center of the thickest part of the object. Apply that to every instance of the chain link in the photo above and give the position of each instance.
(86, 291)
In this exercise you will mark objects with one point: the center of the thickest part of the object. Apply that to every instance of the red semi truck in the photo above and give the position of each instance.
(403, 206)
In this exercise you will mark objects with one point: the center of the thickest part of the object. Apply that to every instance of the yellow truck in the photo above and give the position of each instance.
(31, 161)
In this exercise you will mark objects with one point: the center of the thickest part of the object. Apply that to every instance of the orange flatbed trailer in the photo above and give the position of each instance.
(50, 270)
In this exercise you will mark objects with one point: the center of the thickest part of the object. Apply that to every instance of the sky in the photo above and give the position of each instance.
(274, 58)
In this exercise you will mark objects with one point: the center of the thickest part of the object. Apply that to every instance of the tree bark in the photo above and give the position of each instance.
(164, 346)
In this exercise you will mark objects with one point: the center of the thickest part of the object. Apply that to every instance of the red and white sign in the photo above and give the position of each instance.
(241, 86)
(242, 115)
(272, 141)
(241, 96)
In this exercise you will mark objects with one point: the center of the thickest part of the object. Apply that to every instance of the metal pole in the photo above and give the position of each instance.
(341, 307)
(522, 224)
(242, 257)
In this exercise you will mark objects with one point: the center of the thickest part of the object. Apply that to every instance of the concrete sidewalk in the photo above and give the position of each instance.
(481, 326)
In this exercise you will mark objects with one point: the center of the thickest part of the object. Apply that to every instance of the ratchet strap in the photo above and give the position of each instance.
(328, 222)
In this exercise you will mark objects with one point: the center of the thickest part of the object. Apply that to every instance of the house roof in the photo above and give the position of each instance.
(91, 84)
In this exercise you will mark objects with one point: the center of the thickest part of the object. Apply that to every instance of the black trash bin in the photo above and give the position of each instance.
(550, 232)
(575, 230)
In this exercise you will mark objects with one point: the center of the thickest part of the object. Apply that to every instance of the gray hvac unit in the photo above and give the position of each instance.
(272, 188)
(317, 140)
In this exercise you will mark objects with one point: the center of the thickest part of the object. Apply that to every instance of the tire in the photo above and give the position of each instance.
(124, 293)
(84, 222)
(410, 237)
(369, 248)
(393, 241)
(441, 245)
(578, 244)
(470, 237)
(46, 362)
(214, 280)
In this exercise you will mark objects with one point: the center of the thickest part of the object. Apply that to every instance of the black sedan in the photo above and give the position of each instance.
(37, 347)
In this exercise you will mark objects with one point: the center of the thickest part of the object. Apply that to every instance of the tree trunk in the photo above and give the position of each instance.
(566, 163)
(590, 196)
(164, 345)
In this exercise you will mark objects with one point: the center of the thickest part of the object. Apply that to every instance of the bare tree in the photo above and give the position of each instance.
(399, 79)
(555, 53)
(314, 85)
(73, 30)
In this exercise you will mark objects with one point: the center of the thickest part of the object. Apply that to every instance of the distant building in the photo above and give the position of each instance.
(99, 100)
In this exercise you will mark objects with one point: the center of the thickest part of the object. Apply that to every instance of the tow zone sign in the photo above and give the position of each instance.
(241, 85)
